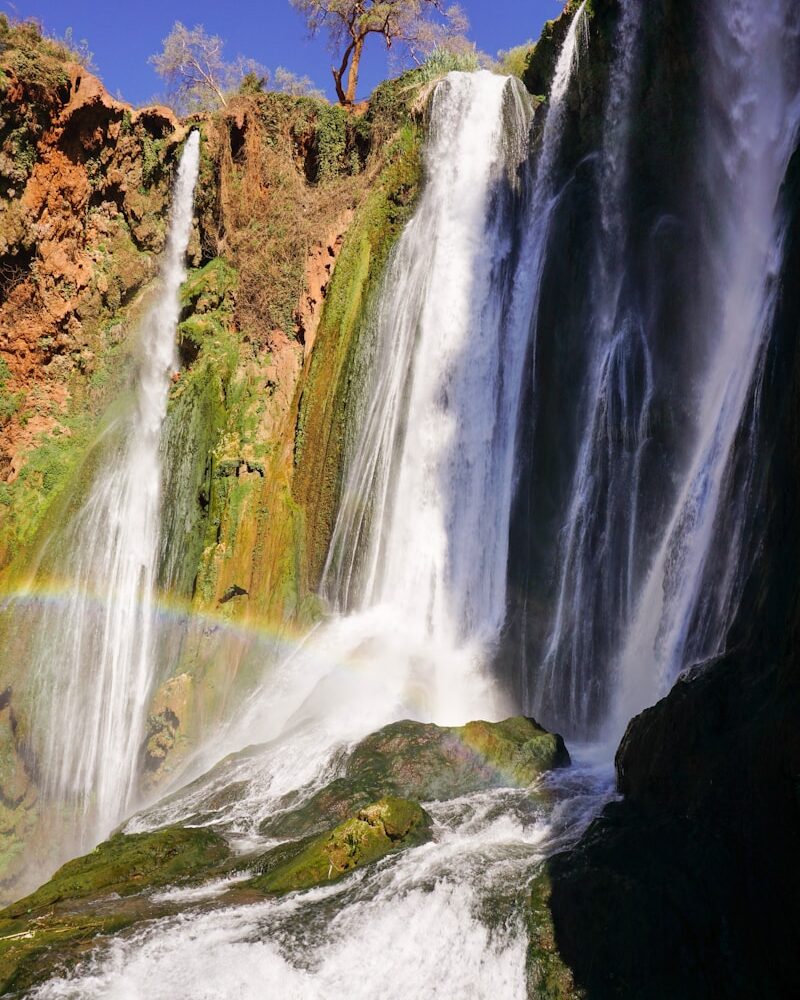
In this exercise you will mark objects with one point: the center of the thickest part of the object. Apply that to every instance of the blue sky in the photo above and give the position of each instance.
(123, 33)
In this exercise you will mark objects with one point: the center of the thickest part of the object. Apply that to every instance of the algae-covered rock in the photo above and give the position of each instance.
(424, 762)
(127, 864)
(548, 975)
(375, 831)
(98, 894)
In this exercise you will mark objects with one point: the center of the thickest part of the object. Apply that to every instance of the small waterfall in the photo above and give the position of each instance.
(94, 667)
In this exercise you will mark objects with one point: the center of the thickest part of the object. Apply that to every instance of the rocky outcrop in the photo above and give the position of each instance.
(422, 762)
(377, 830)
(368, 814)
(97, 894)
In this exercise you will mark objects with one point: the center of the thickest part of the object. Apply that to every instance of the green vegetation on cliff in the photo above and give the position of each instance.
(337, 372)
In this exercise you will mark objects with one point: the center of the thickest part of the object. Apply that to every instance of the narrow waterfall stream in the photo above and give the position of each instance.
(94, 663)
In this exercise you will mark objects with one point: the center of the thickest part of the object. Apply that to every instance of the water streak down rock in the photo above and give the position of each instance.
(93, 666)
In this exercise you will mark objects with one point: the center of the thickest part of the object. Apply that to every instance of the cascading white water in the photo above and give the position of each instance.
(618, 396)
(422, 535)
(751, 108)
(427, 494)
(94, 665)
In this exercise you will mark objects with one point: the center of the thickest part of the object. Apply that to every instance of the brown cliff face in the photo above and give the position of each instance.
(84, 182)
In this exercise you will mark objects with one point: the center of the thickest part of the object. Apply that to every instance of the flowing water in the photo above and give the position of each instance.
(606, 487)
(654, 529)
(94, 665)
(424, 527)
(751, 115)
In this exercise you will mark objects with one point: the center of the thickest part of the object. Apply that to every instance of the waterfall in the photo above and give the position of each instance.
(751, 115)
(605, 490)
(645, 469)
(423, 525)
(94, 667)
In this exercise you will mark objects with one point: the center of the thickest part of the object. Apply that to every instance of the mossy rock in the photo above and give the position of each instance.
(99, 894)
(548, 975)
(423, 762)
(376, 831)
(127, 864)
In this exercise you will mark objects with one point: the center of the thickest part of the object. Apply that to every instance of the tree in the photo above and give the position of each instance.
(197, 76)
(416, 26)
(298, 86)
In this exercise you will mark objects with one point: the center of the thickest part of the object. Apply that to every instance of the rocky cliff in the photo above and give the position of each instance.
(690, 886)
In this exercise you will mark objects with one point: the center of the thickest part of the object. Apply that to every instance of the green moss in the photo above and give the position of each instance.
(421, 762)
(9, 401)
(152, 159)
(549, 977)
(59, 469)
(48, 928)
(199, 414)
(374, 832)
(211, 287)
(31, 954)
(331, 141)
(336, 373)
(127, 864)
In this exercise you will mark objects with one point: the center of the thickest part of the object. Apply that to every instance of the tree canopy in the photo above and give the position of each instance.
(415, 27)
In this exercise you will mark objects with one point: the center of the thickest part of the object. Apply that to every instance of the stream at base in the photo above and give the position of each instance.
(445, 919)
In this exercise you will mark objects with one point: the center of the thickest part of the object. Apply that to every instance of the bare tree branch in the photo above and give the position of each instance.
(413, 26)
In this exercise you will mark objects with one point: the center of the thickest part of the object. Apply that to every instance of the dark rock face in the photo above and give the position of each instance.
(690, 887)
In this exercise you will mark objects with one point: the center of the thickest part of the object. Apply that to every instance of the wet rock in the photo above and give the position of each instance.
(375, 831)
(422, 762)
(127, 864)
(101, 893)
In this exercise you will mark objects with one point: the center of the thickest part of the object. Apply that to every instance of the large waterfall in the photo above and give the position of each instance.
(423, 529)
(94, 664)
(638, 527)
(417, 570)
